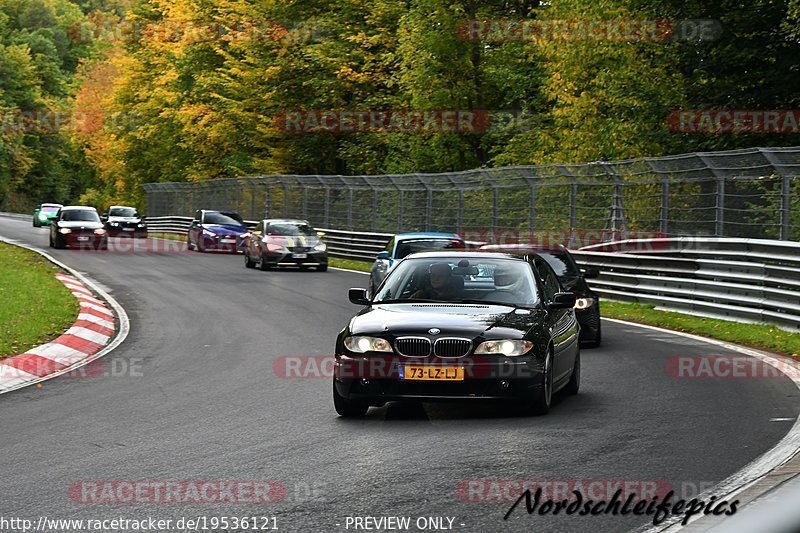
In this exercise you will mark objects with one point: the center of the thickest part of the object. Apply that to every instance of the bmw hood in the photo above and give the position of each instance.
(491, 321)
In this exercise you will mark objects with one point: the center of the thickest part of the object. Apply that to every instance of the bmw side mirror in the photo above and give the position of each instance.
(383, 255)
(591, 273)
(562, 300)
(358, 296)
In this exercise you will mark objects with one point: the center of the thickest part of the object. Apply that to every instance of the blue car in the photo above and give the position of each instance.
(216, 230)
(404, 244)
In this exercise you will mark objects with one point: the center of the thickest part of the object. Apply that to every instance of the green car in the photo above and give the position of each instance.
(44, 214)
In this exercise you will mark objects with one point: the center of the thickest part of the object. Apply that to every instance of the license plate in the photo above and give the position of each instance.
(432, 373)
(127, 229)
(228, 241)
(83, 238)
(299, 256)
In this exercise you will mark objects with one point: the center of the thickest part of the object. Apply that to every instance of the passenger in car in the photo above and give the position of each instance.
(442, 284)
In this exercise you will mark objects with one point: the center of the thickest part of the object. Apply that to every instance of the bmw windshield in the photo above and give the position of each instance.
(454, 280)
(287, 229)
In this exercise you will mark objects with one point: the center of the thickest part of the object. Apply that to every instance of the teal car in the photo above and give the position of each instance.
(44, 214)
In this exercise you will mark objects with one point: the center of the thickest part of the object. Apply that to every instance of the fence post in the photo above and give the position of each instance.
(327, 207)
(786, 206)
(350, 208)
(719, 217)
(374, 217)
(460, 214)
(786, 191)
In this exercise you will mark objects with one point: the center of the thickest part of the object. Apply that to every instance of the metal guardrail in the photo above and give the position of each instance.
(16, 215)
(750, 280)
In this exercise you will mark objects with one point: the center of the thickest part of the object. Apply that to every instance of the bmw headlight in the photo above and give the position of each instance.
(140, 225)
(363, 344)
(321, 247)
(504, 347)
(64, 231)
(209, 233)
(100, 231)
(115, 224)
(584, 303)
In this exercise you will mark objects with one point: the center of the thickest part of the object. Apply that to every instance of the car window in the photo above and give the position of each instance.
(219, 218)
(122, 212)
(560, 263)
(409, 246)
(80, 215)
(483, 280)
(290, 229)
(49, 209)
(549, 279)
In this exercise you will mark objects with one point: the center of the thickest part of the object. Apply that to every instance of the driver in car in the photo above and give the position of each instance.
(443, 285)
(509, 287)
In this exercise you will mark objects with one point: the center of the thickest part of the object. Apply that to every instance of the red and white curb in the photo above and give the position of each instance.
(101, 326)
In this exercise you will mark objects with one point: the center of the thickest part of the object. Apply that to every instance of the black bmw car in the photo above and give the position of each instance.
(573, 279)
(459, 326)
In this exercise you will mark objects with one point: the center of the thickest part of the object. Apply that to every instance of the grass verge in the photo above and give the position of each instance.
(349, 264)
(761, 336)
(34, 306)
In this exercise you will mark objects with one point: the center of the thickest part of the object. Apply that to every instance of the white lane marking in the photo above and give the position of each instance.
(779, 455)
(122, 316)
(348, 270)
(783, 419)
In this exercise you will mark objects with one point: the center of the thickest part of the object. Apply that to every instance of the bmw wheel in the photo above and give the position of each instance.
(575, 379)
(248, 263)
(348, 408)
(540, 403)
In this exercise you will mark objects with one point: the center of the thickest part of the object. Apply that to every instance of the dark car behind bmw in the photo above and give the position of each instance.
(124, 220)
(587, 303)
(459, 326)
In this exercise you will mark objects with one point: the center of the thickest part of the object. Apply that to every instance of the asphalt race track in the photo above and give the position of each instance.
(206, 404)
